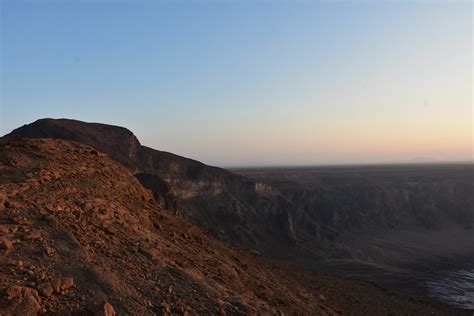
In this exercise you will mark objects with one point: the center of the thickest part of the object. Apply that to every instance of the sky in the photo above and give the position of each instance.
(250, 83)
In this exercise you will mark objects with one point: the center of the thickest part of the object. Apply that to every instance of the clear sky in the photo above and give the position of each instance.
(236, 83)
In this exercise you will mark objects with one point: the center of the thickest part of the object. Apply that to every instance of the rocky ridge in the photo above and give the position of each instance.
(231, 207)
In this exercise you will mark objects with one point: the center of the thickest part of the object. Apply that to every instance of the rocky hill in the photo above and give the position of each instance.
(77, 229)
(233, 208)
(79, 235)
(306, 217)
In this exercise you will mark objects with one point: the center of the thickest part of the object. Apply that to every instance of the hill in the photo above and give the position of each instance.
(78, 228)
(233, 208)
(398, 226)
(79, 235)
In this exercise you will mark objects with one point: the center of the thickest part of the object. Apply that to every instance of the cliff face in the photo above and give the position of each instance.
(331, 210)
(334, 210)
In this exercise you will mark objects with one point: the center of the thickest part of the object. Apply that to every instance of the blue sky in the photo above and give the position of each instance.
(249, 82)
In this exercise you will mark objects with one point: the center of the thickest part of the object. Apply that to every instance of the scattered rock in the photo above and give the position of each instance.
(6, 244)
(46, 289)
(22, 221)
(56, 284)
(17, 291)
(67, 282)
(34, 235)
(255, 252)
(149, 254)
(5, 229)
(108, 310)
(62, 283)
(3, 198)
(24, 306)
(166, 308)
(104, 309)
(12, 204)
(50, 251)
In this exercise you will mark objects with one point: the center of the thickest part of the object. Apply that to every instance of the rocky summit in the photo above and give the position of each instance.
(79, 235)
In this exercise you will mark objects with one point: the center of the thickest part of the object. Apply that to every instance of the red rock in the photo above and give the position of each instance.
(17, 291)
(46, 289)
(34, 235)
(24, 306)
(6, 244)
(12, 204)
(50, 251)
(62, 283)
(67, 282)
(56, 284)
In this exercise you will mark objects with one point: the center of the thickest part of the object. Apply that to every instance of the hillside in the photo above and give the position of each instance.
(78, 229)
(231, 207)
(299, 215)
(80, 234)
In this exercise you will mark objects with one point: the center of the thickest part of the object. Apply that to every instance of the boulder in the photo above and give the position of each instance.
(27, 305)
(66, 283)
(6, 244)
(62, 283)
(104, 309)
(50, 251)
(12, 204)
(46, 289)
(17, 291)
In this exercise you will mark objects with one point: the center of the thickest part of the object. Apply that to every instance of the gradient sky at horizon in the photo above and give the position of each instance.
(239, 83)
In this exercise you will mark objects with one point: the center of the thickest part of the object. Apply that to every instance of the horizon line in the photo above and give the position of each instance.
(355, 164)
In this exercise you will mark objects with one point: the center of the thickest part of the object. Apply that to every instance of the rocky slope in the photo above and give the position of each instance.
(79, 235)
(293, 215)
(231, 207)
